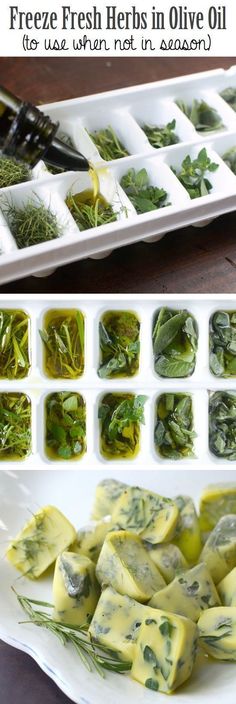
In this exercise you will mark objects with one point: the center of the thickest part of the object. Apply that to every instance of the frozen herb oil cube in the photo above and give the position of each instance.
(165, 651)
(175, 341)
(216, 501)
(222, 425)
(108, 144)
(108, 491)
(15, 426)
(14, 344)
(120, 416)
(143, 195)
(41, 540)
(119, 344)
(63, 341)
(223, 343)
(75, 589)
(217, 632)
(204, 117)
(174, 434)
(65, 426)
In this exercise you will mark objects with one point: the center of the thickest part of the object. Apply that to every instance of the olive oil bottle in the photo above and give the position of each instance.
(29, 135)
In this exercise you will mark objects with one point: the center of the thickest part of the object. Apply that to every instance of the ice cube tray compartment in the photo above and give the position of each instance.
(126, 110)
(92, 388)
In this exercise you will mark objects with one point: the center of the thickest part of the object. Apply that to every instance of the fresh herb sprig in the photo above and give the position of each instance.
(174, 434)
(63, 339)
(89, 212)
(203, 116)
(15, 426)
(223, 343)
(230, 159)
(14, 344)
(141, 193)
(13, 172)
(193, 174)
(31, 224)
(119, 344)
(161, 136)
(93, 657)
(108, 144)
(120, 416)
(222, 425)
(175, 340)
(229, 95)
(65, 426)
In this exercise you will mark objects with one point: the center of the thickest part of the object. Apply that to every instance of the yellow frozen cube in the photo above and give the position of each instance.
(125, 565)
(217, 632)
(165, 652)
(75, 589)
(187, 535)
(41, 540)
(147, 514)
(188, 594)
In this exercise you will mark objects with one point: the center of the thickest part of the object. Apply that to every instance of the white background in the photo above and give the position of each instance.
(222, 41)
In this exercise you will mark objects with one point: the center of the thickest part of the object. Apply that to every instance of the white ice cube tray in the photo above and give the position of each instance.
(202, 382)
(126, 110)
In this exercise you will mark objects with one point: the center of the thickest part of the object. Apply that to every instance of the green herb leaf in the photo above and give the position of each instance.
(120, 416)
(15, 426)
(63, 338)
(141, 193)
(175, 338)
(108, 144)
(65, 426)
(193, 174)
(31, 224)
(222, 424)
(14, 344)
(119, 344)
(174, 432)
(161, 136)
(203, 117)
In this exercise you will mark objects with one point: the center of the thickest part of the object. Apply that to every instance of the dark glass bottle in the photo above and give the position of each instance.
(29, 135)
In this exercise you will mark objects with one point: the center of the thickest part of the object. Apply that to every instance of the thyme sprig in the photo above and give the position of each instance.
(93, 657)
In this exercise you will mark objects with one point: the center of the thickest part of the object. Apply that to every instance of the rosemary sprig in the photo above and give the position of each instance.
(90, 212)
(13, 172)
(108, 144)
(63, 339)
(31, 224)
(14, 344)
(93, 657)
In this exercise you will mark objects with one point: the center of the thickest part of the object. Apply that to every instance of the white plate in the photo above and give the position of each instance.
(22, 492)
